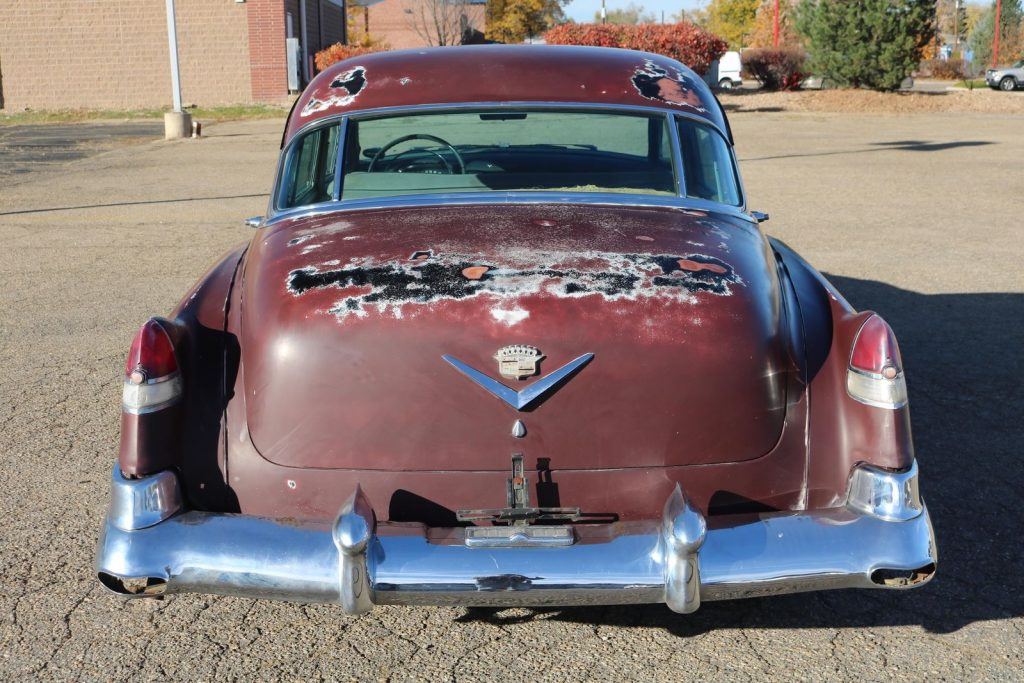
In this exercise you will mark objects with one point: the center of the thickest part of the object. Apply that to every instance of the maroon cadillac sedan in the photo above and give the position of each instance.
(510, 335)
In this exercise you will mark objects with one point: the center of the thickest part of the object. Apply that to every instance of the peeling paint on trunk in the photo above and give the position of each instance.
(389, 286)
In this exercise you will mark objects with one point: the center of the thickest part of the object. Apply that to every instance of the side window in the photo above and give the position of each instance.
(310, 174)
(707, 164)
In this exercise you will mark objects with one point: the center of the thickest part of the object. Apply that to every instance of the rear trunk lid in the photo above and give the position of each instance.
(346, 318)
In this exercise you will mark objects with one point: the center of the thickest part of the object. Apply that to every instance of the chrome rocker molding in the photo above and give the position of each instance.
(881, 538)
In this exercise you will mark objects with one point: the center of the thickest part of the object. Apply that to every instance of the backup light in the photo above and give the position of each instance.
(875, 375)
(152, 380)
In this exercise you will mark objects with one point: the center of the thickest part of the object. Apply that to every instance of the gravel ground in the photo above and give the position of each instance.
(917, 217)
(920, 101)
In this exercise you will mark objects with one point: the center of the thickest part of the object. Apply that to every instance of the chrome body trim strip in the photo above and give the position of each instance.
(882, 538)
(523, 398)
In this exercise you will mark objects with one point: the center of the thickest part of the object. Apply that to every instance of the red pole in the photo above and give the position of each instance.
(775, 26)
(995, 33)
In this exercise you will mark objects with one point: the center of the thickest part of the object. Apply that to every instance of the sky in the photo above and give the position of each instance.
(583, 10)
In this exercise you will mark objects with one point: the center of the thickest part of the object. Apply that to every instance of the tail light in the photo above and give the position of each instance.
(151, 377)
(875, 375)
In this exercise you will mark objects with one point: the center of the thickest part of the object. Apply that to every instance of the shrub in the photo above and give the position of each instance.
(781, 69)
(866, 43)
(337, 52)
(685, 42)
(944, 69)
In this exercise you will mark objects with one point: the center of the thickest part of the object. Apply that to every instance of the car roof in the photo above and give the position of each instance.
(495, 74)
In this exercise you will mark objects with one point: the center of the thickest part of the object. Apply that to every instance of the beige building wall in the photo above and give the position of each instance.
(67, 54)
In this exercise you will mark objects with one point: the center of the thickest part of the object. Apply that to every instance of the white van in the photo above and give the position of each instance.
(725, 73)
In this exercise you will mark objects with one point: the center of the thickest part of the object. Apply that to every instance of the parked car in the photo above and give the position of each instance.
(726, 71)
(1006, 79)
(509, 334)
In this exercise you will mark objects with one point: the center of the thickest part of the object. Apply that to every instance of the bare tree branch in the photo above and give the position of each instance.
(437, 22)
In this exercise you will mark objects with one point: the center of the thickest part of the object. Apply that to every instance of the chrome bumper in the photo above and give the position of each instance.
(882, 538)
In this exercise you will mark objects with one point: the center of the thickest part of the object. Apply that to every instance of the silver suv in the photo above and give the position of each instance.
(1007, 78)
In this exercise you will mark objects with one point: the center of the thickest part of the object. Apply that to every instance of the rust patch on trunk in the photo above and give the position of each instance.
(697, 266)
(474, 272)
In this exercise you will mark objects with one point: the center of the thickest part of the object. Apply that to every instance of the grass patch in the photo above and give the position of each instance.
(971, 83)
(202, 114)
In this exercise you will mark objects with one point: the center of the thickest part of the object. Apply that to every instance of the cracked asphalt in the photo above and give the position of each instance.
(917, 217)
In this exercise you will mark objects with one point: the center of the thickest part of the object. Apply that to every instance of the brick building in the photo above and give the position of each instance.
(405, 23)
(66, 54)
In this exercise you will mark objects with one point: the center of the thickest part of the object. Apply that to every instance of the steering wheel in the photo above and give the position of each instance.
(421, 136)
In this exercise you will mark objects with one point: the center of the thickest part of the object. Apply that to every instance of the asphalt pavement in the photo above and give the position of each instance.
(916, 217)
(28, 148)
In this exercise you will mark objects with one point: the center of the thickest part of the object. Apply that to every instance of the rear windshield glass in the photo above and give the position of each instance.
(481, 151)
(707, 164)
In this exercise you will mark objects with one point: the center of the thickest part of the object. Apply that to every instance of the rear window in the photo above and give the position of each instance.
(311, 168)
(508, 150)
(481, 151)
(707, 164)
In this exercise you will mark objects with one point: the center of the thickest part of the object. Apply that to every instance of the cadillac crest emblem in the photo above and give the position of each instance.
(518, 361)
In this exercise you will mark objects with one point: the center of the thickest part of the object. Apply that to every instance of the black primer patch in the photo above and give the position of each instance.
(352, 81)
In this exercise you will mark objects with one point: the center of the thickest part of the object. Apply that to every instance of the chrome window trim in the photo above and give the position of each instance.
(342, 131)
(677, 154)
(742, 206)
(276, 214)
(506, 198)
(280, 177)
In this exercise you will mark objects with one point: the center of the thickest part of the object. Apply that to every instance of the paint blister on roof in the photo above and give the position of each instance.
(658, 83)
(341, 92)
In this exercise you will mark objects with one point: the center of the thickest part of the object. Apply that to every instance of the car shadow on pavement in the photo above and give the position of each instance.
(899, 145)
(964, 359)
(143, 202)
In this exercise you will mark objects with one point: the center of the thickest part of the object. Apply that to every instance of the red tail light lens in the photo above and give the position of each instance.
(151, 353)
(875, 350)
(875, 375)
(152, 381)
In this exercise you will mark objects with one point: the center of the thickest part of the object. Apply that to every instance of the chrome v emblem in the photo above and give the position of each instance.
(520, 400)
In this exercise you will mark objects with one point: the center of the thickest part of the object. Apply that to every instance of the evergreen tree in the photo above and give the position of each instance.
(866, 43)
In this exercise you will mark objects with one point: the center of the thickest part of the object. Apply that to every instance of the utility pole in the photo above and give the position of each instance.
(775, 26)
(604, 13)
(995, 34)
(956, 26)
(177, 123)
